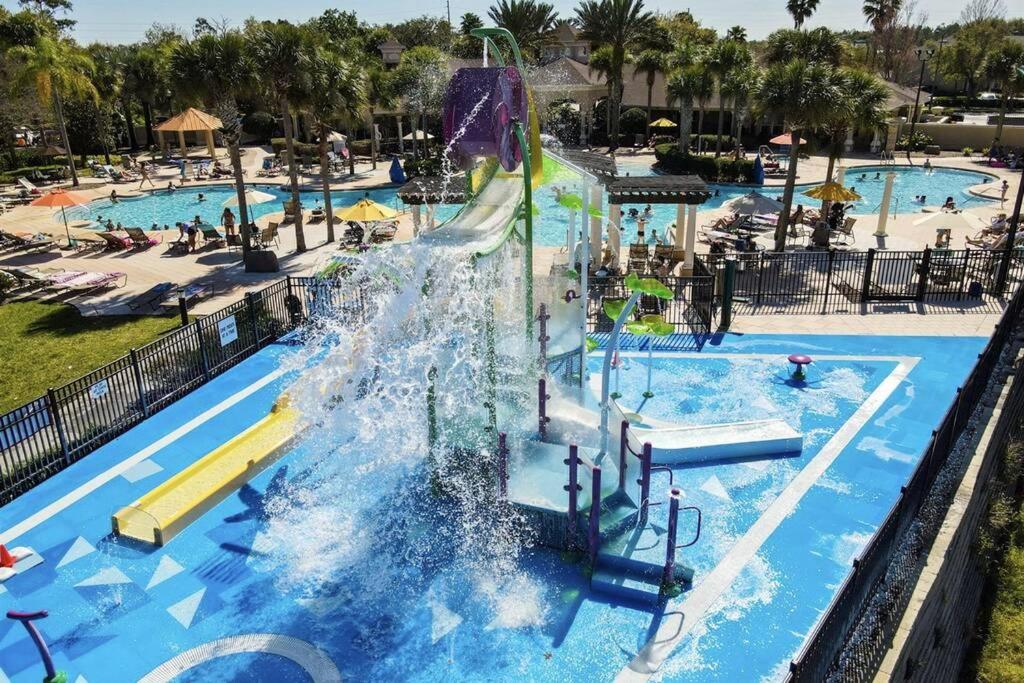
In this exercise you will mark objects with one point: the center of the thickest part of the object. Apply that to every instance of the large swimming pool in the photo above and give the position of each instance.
(161, 207)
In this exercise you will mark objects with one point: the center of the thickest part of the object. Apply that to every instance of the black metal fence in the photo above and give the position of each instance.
(884, 574)
(814, 282)
(46, 435)
(691, 309)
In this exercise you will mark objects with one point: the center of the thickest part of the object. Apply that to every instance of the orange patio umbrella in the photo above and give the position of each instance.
(61, 198)
(785, 139)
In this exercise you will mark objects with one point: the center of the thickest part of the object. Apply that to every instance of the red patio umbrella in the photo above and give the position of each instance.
(61, 198)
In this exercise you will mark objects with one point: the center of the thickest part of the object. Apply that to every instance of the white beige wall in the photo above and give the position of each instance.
(957, 136)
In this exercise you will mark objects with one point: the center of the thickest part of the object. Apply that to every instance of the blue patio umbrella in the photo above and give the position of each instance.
(396, 172)
(758, 171)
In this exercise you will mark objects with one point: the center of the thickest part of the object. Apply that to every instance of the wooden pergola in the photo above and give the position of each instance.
(191, 120)
(682, 190)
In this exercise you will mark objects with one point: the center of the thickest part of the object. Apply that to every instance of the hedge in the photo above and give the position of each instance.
(707, 141)
(721, 169)
(962, 101)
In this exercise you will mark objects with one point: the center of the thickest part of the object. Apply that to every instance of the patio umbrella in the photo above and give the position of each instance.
(251, 197)
(62, 199)
(663, 123)
(752, 203)
(832, 192)
(953, 220)
(366, 210)
(420, 135)
(785, 139)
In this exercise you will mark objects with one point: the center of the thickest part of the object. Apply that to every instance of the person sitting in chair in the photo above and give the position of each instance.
(949, 204)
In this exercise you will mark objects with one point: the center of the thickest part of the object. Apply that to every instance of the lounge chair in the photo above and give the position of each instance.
(29, 186)
(114, 241)
(354, 234)
(26, 243)
(290, 211)
(638, 258)
(211, 234)
(152, 296)
(27, 276)
(843, 235)
(140, 240)
(712, 231)
(383, 233)
(268, 236)
(317, 215)
(86, 282)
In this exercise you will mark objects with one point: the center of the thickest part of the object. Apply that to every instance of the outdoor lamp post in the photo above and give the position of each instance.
(923, 55)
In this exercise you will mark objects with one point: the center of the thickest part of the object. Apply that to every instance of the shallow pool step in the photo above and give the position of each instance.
(640, 587)
(631, 565)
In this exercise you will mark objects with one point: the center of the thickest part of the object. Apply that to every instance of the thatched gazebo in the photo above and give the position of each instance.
(189, 121)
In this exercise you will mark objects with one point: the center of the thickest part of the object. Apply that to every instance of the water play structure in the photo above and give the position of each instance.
(581, 480)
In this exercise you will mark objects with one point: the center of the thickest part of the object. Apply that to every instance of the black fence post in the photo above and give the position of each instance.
(137, 370)
(182, 308)
(250, 307)
(828, 278)
(865, 288)
(204, 361)
(922, 272)
(58, 424)
(760, 278)
(728, 285)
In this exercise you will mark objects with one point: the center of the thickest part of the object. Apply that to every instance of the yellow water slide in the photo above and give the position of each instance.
(170, 507)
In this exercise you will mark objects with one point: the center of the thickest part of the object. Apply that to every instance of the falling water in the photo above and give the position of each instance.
(380, 510)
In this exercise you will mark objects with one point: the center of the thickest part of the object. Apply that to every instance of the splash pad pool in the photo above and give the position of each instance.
(377, 547)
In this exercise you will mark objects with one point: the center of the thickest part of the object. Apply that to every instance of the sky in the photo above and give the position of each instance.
(125, 21)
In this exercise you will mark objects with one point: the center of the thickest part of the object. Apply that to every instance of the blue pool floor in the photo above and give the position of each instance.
(393, 602)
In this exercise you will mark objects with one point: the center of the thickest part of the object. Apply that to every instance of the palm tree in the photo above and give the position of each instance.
(528, 21)
(619, 24)
(650, 63)
(682, 87)
(600, 62)
(281, 59)
(880, 14)
(336, 88)
(739, 84)
(703, 90)
(217, 69)
(737, 33)
(109, 80)
(862, 106)
(146, 77)
(724, 57)
(801, 11)
(1002, 68)
(803, 94)
(55, 68)
(816, 45)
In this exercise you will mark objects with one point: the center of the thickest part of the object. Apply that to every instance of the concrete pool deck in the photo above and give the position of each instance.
(223, 268)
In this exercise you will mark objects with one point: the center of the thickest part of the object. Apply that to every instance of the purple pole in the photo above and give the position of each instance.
(623, 456)
(26, 618)
(502, 466)
(542, 407)
(670, 542)
(542, 317)
(572, 488)
(645, 482)
(594, 530)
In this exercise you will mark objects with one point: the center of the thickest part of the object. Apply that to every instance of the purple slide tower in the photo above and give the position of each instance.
(479, 108)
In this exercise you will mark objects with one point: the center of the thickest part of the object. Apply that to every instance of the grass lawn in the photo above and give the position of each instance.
(47, 345)
(1002, 654)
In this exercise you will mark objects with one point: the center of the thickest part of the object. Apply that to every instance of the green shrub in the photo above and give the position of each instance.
(968, 151)
(361, 148)
(711, 169)
(633, 121)
(302, 149)
(261, 125)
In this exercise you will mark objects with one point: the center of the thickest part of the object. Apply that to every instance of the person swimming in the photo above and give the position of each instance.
(878, 176)
(201, 197)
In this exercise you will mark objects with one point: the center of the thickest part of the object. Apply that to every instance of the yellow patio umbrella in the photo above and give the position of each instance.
(366, 210)
(832, 192)
(663, 123)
